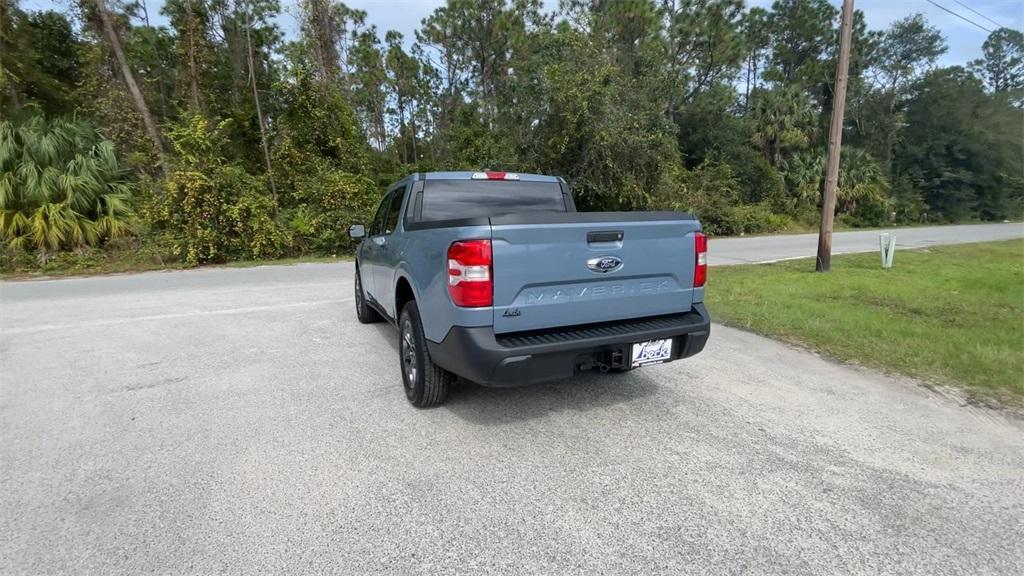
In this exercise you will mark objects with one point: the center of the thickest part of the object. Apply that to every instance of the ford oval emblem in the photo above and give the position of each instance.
(604, 264)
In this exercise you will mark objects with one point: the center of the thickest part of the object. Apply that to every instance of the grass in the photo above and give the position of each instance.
(946, 315)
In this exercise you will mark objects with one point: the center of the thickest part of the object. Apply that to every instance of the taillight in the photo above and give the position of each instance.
(700, 259)
(469, 273)
(494, 176)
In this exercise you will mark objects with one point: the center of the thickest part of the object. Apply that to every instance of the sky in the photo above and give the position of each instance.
(964, 39)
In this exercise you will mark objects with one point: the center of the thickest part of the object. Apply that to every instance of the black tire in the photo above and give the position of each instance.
(426, 383)
(364, 312)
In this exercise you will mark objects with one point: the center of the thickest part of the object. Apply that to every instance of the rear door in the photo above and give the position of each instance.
(554, 269)
(389, 251)
(370, 252)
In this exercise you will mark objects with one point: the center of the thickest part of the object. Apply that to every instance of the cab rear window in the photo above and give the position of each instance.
(455, 199)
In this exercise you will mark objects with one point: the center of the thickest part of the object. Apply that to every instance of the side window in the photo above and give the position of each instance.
(393, 212)
(378, 219)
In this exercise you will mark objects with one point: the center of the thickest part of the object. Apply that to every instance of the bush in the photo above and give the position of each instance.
(61, 187)
(228, 215)
(211, 211)
(868, 214)
(762, 183)
(759, 219)
(711, 192)
(326, 202)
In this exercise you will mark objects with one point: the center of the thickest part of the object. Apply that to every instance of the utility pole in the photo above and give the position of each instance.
(835, 142)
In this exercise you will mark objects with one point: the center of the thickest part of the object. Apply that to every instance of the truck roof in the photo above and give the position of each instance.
(469, 176)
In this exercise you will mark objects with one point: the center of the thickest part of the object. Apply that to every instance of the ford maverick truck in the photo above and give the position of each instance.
(495, 277)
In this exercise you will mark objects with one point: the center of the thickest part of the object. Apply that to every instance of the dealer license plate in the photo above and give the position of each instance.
(651, 352)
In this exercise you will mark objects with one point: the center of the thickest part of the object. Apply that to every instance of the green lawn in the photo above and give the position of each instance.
(949, 315)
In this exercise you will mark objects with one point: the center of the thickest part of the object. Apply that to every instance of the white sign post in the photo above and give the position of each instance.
(887, 246)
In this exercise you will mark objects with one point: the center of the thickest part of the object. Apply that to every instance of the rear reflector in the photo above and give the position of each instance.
(469, 273)
(700, 259)
(495, 176)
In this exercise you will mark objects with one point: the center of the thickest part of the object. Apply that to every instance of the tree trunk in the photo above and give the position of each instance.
(129, 80)
(192, 72)
(412, 124)
(259, 111)
(746, 93)
(403, 153)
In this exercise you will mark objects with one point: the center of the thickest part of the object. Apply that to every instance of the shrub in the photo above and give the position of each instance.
(758, 219)
(327, 202)
(61, 187)
(711, 192)
(212, 211)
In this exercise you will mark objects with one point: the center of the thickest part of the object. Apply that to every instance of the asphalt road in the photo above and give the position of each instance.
(241, 421)
(767, 248)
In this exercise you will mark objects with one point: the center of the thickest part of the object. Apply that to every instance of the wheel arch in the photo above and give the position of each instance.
(404, 292)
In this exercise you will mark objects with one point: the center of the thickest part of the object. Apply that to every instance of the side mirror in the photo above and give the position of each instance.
(356, 231)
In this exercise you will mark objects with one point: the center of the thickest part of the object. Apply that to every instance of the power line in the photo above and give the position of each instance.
(979, 13)
(964, 18)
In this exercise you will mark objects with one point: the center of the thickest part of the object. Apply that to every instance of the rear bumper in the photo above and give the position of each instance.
(479, 355)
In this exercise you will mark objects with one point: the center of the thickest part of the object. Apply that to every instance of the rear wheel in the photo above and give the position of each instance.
(426, 383)
(364, 312)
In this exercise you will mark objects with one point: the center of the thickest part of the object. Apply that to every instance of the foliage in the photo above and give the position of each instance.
(1002, 66)
(61, 186)
(711, 192)
(962, 149)
(210, 210)
(784, 122)
(861, 184)
(324, 161)
(253, 146)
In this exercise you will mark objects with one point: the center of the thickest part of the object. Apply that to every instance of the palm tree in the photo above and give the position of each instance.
(784, 121)
(860, 178)
(60, 186)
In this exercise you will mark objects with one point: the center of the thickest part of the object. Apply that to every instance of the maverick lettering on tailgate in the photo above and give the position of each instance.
(574, 293)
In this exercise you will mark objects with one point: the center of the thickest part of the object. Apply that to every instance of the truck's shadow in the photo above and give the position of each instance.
(499, 406)
(587, 391)
(388, 334)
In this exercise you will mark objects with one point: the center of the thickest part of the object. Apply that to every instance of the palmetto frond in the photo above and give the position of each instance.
(61, 185)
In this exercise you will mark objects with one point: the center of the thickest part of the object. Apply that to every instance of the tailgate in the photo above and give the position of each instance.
(561, 269)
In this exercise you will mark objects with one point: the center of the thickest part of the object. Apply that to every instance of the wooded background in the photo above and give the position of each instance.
(217, 139)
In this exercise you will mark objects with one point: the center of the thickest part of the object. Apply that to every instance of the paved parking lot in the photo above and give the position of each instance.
(241, 421)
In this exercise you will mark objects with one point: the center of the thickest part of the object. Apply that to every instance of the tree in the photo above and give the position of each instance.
(757, 41)
(706, 44)
(907, 49)
(114, 40)
(962, 148)
(1002, 66)
(369, 87)
(39, 60)
(861, 181)
(803, 35)
(256, 101)
(698, 104)
(783, 120)
(403, 72)
(322, 28)
(191, 21)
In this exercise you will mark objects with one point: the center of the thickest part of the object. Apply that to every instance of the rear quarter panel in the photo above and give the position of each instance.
(424, 263)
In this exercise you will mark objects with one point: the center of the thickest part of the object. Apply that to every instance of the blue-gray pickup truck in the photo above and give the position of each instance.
(495, 277)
